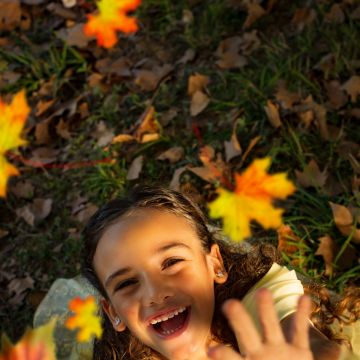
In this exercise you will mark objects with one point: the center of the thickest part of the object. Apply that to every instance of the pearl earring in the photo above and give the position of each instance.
(117, 321)
(219, 274)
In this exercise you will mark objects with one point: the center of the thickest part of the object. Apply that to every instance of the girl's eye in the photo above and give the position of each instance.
(125, 284)
(170, 262)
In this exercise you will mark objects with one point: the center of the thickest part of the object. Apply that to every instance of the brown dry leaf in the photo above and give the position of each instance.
(251, 145)
(311, 175)
(355, 15)
(148, 80)
(42, 134)
(355, 113)
(196, 83)
(148, 126)
(199, 102)
(167, 116)
(231, 60)
(336, 95)
(69, 3)
(42, 106)
(255, 12)
(326, 64)
(44, 155)
(320, 117)
(250, 42)
(335, 15)
(75, 36)
(175, 181)
(85, 213)
(352, 87)
(120, 66)
(3, 233)
(103, 135)
(344, 221)
(286, 240)
(122, 138)
(135, 168)
(303, 17)
(232, 147)
(204, 173)
(187, 57)
(38, 210)
(285, 97)
(10, 14)
(173, 154)
(23, 189)
(62, 129)
(272, 112)
(327, 249)
(17, 288)
(8, 77)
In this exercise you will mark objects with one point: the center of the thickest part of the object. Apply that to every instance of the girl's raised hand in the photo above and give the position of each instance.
(273, 346)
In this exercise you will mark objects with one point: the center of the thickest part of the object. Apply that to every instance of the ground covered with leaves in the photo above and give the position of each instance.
(202, 89)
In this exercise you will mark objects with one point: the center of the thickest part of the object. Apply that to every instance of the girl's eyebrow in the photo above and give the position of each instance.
(159, 250)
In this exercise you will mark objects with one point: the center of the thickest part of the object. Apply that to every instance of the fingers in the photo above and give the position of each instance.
(300, 325)
(268, 317)
(242, 325)
(223, 352)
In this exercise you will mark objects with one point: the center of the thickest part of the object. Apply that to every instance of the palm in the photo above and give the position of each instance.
(273, 346)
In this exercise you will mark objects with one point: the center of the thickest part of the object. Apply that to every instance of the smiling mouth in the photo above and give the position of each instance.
(172, 327)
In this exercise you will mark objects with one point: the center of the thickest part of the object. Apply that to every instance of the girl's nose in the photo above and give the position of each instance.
(155, 292)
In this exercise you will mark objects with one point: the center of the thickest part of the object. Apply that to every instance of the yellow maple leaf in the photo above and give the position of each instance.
(85, 318)
(252, 199)
(112, 17)
(12, 121)
(36, 344)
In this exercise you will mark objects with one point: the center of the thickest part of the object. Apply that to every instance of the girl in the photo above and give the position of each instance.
(163, 277)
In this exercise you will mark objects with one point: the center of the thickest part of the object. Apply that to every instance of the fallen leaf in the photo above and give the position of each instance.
(231, 60)
(10, 14)
(199, 102)
(187, 57)
(196, 83)
(286, 98)
(355, 15)
(252, 199)
(167, 116)
(255, 12)
(173, 154)
(272, 113)
(62, 129)
(337, 97)
(311, 176)
(335, 15)
(327, 249)
(3, 233)
(135, 168)
(69, 3)
(75, 36)
(352, 87)
(148, 80)
(18, 287)
(148, 126)
(326, 64)
(84, 214)
(232, 147)
(23, 189)
(120, 66)
(122, 138)
(344, 221)
(42, 134)
(103, 135)
(36, 211)
(43, 155)
(42, 106)
(285, 234)
(175, 181)
(26, 214)
(303, 17)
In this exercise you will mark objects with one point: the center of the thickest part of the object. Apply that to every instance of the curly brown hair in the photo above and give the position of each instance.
(244, 269)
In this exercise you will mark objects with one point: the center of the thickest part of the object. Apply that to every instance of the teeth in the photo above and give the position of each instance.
(167, 317)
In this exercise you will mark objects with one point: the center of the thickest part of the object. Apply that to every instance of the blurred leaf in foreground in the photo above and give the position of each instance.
(112, 17)
(36, 344)
(252, 199)
(85, 318)
(12, 120)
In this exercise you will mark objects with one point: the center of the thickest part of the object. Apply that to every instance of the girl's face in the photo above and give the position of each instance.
(160, 282)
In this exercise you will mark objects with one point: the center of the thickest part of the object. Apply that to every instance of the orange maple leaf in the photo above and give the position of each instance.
(252, 199)
(12, 121)
(112, 17)
(36, 344)
(85, 318)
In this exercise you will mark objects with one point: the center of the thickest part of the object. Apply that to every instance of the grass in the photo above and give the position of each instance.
(50, 248)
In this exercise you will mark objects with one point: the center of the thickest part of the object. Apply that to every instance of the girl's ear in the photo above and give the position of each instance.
(118, 324)
(220, 274)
